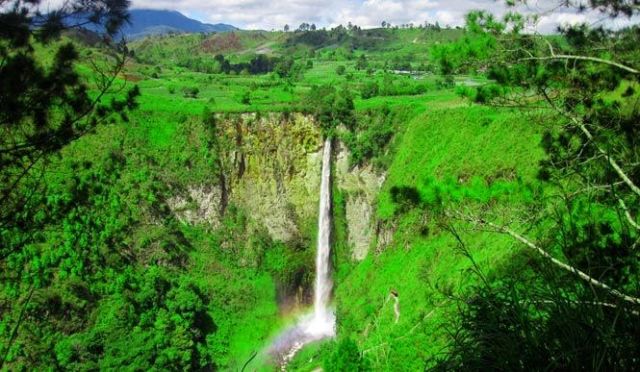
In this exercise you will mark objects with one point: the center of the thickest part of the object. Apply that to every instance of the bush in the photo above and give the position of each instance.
(340, 70)
(346, 357)
(369, 139)
(284, 68)
(540, 322)
(331, 107)
(370, 90)
(405, 197)
(246, 98)
(191, 92)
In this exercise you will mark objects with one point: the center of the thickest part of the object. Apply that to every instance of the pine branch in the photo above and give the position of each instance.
(14, 332)
(627, 213)
(582, 275)
(614, 164)
(583, 58)
(554, 56)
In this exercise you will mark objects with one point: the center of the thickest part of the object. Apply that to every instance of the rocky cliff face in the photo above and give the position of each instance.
(360, 186)
(270, 166)
(273, 170)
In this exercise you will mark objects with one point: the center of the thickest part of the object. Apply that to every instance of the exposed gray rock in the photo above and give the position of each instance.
(384, 235)
(200, 205)
(270, 167)
(359, 213)
(361, 186)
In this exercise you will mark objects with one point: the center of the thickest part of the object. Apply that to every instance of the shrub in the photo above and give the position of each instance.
(405, 197)
(246, 98)
(370, 90)
(191, 92)
(346, 357)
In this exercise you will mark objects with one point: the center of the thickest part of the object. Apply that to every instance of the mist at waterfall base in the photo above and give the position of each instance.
(319, 324)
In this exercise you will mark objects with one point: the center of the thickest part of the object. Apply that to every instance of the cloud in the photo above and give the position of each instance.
(268, 15)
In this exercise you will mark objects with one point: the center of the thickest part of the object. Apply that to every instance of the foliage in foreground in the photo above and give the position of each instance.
(584, 314)
(543, 323)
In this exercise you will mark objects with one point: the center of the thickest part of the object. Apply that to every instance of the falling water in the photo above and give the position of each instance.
(321, 323)
(323, 280)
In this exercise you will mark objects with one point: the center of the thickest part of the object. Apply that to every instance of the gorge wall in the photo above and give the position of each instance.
(269, 165)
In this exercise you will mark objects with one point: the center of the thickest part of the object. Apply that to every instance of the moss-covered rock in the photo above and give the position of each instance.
(269, 165)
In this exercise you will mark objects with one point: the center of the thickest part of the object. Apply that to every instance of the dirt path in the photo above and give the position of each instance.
(396, 305)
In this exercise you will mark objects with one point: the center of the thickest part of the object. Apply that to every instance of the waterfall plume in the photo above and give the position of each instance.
(320, 323)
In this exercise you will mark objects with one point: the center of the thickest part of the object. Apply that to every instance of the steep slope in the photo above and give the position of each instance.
(213, 217)
(466, 150)
(397, 302)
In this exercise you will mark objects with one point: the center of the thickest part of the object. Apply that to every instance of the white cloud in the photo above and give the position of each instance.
(259, 14)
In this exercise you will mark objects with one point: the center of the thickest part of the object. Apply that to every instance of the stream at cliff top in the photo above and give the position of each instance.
(320, 323)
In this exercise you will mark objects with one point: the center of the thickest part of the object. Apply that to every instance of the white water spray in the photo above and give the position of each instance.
(323, 279)
(321, 323)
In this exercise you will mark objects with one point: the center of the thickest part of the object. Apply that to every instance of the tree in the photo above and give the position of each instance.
(44, 106)
(331, 107)
(370, 90)
(586, 225)
(313, 27)
(284, 67)
(362, 63)
(304, 27)
(384, 24)
(286, 28)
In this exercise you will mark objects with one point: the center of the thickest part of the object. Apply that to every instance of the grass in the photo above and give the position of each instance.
(462, 142)
(449, 142)
(441, 142)
(443, 138)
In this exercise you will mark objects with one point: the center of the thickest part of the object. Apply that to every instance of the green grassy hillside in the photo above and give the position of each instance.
(455, 156)
(161, 243)
(165, 149)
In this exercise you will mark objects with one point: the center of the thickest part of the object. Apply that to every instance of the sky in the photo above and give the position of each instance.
(273, 15)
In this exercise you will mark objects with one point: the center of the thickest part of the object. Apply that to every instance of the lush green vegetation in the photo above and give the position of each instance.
(504, 235)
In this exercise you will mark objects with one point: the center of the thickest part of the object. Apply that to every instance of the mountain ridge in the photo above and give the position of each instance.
(148, 22)
(144, 22)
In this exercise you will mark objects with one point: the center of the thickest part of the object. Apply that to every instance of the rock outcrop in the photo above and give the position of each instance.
(360, 185)
(200, 205)
(270, 166)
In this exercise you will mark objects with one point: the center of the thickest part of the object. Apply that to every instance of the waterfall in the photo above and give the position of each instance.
(321, 323)
(323, 279)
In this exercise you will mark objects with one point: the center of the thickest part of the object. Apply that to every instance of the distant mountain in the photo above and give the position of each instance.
(146, 22)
